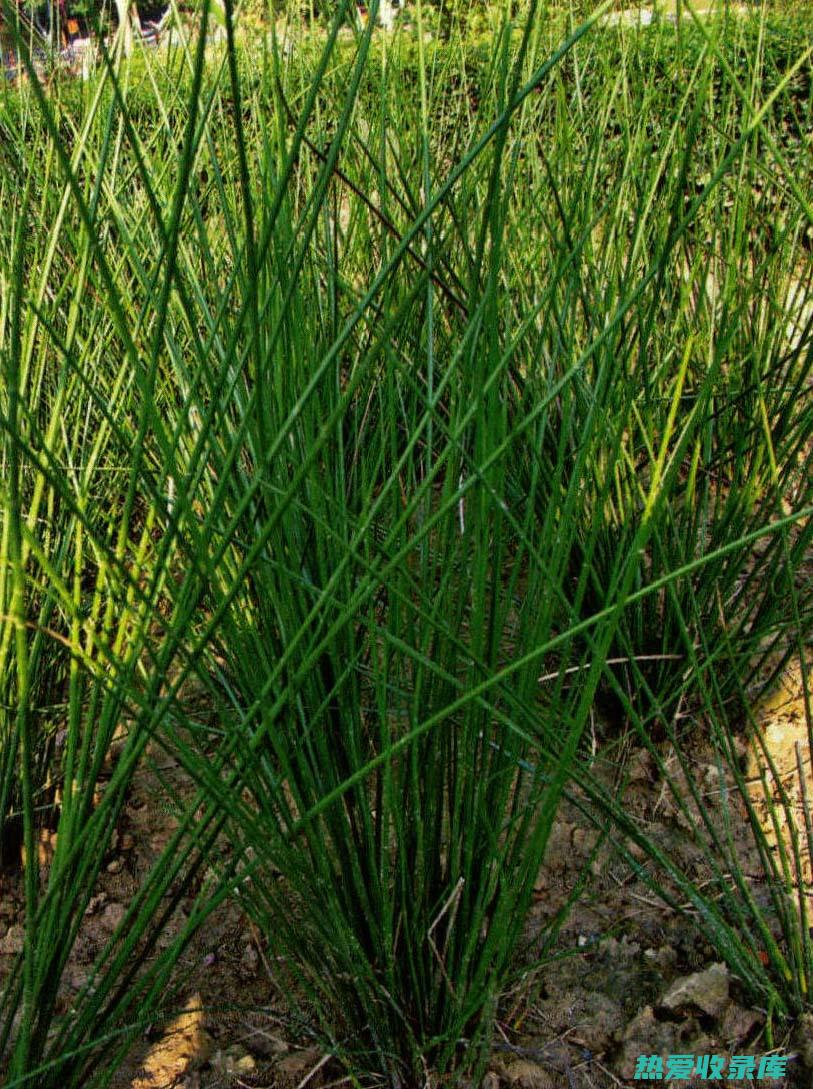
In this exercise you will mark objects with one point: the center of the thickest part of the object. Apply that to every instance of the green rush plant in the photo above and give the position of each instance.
(722, 598)
(411, 505)
(379, 611)
(83, 575)
(694, 202)
(147, 428)
(375, 395)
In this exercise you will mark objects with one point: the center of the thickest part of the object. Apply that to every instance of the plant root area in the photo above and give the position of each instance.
(626, 976)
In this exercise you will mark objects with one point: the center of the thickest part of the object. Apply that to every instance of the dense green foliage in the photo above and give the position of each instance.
(403, 402)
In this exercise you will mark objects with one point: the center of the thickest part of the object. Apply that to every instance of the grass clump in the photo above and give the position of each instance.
(404, 426)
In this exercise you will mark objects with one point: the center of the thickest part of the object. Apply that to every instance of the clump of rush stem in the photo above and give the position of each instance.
(362, 411)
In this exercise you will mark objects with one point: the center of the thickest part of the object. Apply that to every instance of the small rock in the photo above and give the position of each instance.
(95, 902)
(116, 866)
(645, 1035)
(13, 941)
(707, 991)
(184, 1045)
(233, 1062)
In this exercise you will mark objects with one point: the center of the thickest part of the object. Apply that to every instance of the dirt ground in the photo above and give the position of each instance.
(628, 976)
